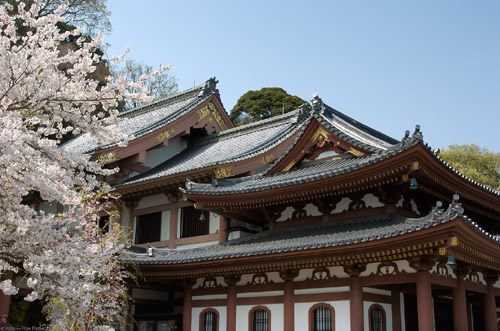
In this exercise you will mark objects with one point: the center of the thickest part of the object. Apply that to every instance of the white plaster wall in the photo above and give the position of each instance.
(203, 244)
(259, 294)
(237, 234)
(342, 206)
(400, 203)
(214, 220)
(156, 156)
(209, 297)
(338, 272)
(371, 268)
(312, 210)
(152, 201)
(388, 314)
(274, 277)
(276, 317)
(404, 265)
(376, 291)
(342, 314)
(372, 201)
(286, 214)
(165, 225)
(124, 217)
(199, 282)
(141, 293)
(195, 317)
(319, 290)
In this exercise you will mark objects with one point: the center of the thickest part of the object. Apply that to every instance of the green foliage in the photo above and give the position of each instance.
(264, 103)
(474, 162)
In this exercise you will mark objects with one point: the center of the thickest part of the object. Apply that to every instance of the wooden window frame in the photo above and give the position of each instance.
(250, 317)
(202, 315)
(311, 314)
(382, 310)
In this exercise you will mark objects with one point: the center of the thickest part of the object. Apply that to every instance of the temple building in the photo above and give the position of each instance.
(306, 221)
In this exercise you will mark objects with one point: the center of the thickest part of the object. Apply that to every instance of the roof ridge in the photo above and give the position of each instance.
(252, 127)
(171, 99)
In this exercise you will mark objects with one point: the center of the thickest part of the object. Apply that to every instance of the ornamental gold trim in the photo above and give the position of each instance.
(289, 166)
(355, 152)
(266, 159)
(207, 110)
(223, 172)
(165, 135)
(107, 158)
(320, 132)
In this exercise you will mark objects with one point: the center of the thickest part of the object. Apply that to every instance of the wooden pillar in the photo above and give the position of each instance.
(4, 303)
(356, 296)
(356, 304)
(460, 320)
(396, 310)
(489, 302)
(131, 205)
(188, 304)
(231, 281)
(173, 227)
(424, 301)
(222, 229)
(423, 264)
(288, 299)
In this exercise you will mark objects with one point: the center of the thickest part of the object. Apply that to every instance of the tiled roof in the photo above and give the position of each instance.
(227, 146)
(143, 120)
(297, 175)
(308, 237)
(349, 129)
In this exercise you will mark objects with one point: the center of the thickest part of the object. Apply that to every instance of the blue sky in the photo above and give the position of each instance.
(388, 64)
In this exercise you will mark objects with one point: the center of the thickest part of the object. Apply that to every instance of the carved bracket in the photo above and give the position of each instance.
(423, 263)
(354, 270)
(232, 280)
(289, 275)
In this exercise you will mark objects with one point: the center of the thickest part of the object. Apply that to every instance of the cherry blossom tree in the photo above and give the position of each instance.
(64, 258)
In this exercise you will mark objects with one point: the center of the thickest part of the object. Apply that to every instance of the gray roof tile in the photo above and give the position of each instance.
(227, 146)
(143, 120)
(307, 237)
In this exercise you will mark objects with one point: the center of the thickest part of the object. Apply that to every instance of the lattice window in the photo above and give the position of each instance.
(322, 318)
(192, 224)
(377, 318)
(260, 320)
(147, 228)
(209, 321)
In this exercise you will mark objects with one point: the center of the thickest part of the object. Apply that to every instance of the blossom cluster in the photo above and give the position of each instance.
(46, 93)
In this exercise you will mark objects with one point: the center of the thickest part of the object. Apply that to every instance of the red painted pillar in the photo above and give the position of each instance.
(489, 308)
(222, 229)
(288, 299)
(288, 306)
(460, 322)
(424, 301)
(231, 308)
(188, 305)
(396, 310)
(356, 304)
(231, 281)
(4, 303)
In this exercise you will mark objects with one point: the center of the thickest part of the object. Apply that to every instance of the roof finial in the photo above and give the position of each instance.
(317, 103)
(209, 87)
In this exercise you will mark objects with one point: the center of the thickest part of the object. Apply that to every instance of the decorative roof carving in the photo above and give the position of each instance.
(416, 137)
